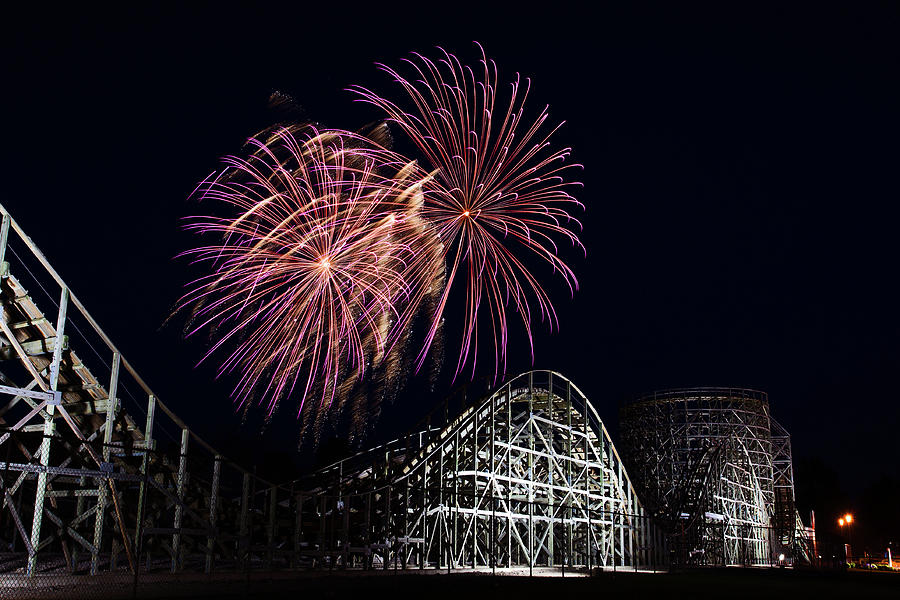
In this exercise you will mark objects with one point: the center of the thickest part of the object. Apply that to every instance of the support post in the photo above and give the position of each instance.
(270, 530)
(630, 518)
(622, 522)
(509, 460)
(443, 515)
(298, 525)
(149, 446)
(405, 545)
(493, 484)
(4, 238)
(243, 545)
(213, 507)
(569, 487)
(530, 473)
(103, 484)
(475, 499)
(179, 508)
(551, 505)
(588, 539)
(455, 534)
(49, 424)
(425, 548)
(391, 536)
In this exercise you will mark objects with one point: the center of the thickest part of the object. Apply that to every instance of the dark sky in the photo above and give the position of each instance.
(740, 181)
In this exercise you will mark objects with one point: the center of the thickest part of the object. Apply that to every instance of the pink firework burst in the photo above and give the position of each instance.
(307, 268)
(500, 192)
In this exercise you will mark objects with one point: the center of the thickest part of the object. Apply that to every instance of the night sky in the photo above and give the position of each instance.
(740, 183)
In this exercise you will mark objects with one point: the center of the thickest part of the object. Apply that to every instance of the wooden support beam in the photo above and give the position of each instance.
(35, 343)
(270, 529)
(179, 508)
(298, 525)
(103, 486)
(586, 474)
(149, 446)
(4, 239)
(213, 506)
(32, 348)
(243, 523)
(27, 392)
(28, 323)
(49, 429)
(21, 423)
(11, 507)
(26, 360)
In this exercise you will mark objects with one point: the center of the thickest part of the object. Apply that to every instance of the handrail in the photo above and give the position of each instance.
(73, 299)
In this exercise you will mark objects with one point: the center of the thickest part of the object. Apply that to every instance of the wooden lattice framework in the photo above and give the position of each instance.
(527, 477)
(715, 468)
(97, 473)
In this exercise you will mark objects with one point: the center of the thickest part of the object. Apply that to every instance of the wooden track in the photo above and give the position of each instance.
(87, 484)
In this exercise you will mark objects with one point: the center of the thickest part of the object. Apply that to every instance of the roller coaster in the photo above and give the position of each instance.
(100, 476)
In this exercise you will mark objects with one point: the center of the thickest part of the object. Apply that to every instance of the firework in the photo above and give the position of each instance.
(499, 193)
(333, 243)
(308, 267)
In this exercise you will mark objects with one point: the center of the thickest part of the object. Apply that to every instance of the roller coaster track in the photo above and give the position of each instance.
(95, 469)
(526, 477)
(99, 476)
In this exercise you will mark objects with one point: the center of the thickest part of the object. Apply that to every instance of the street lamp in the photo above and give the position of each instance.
(847, 520)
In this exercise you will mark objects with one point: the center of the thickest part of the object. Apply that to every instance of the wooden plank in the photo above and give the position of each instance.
(22, 354)
(26, 393)
(28, 323)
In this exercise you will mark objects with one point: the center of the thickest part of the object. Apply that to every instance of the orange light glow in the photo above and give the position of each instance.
(841, 522)
(848, 518)
(466, 213)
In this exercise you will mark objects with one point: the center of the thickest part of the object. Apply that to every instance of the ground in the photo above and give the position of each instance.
(730, 584)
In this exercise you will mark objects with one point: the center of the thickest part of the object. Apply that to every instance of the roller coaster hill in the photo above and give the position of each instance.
(100, 478)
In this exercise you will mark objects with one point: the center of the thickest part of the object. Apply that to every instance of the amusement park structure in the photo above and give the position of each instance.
(716, 472)
(97, 473)
(99, 476)
(526, 477)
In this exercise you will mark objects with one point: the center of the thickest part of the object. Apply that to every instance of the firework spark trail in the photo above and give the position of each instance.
(335, 243)
(305, 278)
(498, 189)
